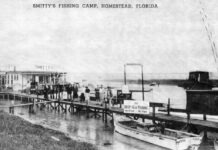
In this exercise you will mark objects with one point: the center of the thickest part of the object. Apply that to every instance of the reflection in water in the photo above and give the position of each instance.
(79, 127)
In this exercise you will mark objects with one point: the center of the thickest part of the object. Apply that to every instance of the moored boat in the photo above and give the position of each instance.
(157, 135)
(153, 84)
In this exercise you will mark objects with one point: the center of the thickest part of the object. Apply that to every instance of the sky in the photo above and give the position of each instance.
(168, 39)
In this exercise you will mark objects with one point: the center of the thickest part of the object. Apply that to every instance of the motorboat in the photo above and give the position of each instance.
(153, 84)
(157, 134)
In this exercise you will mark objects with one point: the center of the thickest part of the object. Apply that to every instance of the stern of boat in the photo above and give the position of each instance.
(192, 143)
(194, 147)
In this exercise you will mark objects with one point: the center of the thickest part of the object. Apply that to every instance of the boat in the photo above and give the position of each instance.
(153, 84)
(215, 144)
(157, 134)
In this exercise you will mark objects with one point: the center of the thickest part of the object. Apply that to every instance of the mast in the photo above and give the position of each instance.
(209, 32)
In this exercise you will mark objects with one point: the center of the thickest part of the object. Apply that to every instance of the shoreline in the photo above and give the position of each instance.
(18, 133)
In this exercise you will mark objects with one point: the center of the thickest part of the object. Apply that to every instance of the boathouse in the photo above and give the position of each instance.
(19, 80)
(202, 101)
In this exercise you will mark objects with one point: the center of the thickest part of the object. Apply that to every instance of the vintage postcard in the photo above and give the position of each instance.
(108, 74)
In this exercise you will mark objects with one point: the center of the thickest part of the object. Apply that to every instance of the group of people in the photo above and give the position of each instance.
(72, 91)
(52, 91)
(101, 94)
(85, 95)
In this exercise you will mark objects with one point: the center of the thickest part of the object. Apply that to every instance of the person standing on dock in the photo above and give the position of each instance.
(109, 96)
(97, 94)
(87, 95)
(69, 91)
(51, 91)
(59, 90)
(56, 91)
(45, 92)
(102, 94)
(75, 91)
(48, 91)
(82, 97)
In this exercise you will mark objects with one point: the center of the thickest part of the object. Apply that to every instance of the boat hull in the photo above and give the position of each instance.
(159, 139)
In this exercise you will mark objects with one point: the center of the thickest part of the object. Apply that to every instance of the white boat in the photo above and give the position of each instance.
(153, 84)
(157, 135)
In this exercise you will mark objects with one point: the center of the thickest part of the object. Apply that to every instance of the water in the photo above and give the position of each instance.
(91, 130)
(161, 93)
(94, 131)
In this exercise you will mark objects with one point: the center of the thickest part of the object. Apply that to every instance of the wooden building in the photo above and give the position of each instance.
(202, 101)
(18, 78)
(21, 80)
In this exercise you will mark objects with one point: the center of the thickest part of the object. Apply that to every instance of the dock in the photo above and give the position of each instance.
(97, 110)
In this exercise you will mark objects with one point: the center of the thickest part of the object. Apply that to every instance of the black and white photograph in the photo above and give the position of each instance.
(109, 75)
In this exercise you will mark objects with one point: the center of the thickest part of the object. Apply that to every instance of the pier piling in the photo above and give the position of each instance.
(153, 114)
(65, 108)
(105, 111)
(205, 130)
(87, 111)
(72, 110)
(168, 107)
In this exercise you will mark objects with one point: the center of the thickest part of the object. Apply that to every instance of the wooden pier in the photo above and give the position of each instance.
(105, 111)
(28, 101)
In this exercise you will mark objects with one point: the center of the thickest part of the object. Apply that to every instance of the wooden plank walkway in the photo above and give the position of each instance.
(172, 118)
(36, 103)
(22, 95)
(83, 104)
(105, 110)
(158, 116)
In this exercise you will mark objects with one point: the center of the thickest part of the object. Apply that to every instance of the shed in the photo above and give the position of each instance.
(202, 101)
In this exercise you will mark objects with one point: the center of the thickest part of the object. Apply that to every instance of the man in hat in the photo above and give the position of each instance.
(87, 95)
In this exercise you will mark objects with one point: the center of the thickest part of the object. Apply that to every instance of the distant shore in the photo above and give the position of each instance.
(17, 133)
(178, 82)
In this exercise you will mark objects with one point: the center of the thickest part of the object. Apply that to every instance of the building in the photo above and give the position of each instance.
(202, 101)
(20, 80)
(2, 80)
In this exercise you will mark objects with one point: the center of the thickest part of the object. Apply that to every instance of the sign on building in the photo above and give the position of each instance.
(136, 107)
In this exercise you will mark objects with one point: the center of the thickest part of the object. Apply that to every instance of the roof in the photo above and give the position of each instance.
(202, 91)
(35, 72)
(198, 72)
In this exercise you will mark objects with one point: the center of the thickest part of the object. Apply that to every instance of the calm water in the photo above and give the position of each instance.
(92, 130)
